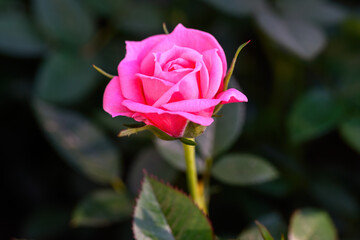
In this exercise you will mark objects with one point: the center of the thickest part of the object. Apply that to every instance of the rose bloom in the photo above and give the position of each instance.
(170, 80)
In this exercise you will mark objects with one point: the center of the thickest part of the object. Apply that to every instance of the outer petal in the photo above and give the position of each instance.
(231, 95)
(213, 64)
(192, 105)
(141, 108)
(138, 50)
(130, 65)
(154, 87)
(113, 99)
(130, 83)
(173, 125)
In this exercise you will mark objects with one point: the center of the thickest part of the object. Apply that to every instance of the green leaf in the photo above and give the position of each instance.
(224, 131)
(102, 208)
(341, 202)
(164, 213)
(243, 169)
(235, 7)
(106, 7)
(313, 115)
(264, 232)
(140, 18)
(318, 11)
(173, 153)
(350, 132)
(311, 224)
(64, 20)
(349, 84)
(149, 160)
(299, 36)
(80, 143)
(17, 35)
(272, 221)
(65, 78)
(46, 222)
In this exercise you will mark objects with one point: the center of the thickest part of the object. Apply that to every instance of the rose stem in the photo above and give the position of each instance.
(191, 175)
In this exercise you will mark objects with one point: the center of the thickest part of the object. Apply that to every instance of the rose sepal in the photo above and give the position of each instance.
(135, 128)
(166, 31)
(103, 72)
(232, 66)
(193, 130)
(229, 73)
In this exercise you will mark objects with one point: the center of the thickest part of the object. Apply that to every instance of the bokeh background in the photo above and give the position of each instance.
(60, 153)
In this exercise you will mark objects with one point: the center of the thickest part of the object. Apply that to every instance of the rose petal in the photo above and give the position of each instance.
(130, 65)
(213, 64)
(113, 99)
(186, 88)
(189, 56)
(141, 108)
(231, 95)
(173, 76)
(154, 88)
(137, 50)
(173, 125)
(192, 105)
(194, 39)
(174, 64)
(131, 86)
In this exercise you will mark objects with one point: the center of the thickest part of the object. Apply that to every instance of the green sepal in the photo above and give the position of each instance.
(131, 131)
(160, 134)
(103, 72)
(232, 66)
(264, 231)
(166, 31)
(135, 128)
(230, 72)
(193, 130)
(187, 141)
(157, 132)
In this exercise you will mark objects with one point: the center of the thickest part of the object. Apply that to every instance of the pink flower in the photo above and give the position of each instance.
(170, 80)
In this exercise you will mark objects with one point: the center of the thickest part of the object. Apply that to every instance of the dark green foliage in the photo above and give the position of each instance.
(243, 169)
(85, 147)
(311, 224)
(300, 73)
(102, 208)
(18, 35)
(164, 213)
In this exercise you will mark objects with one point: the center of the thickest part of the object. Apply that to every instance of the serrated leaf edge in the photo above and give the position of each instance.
(147, 175)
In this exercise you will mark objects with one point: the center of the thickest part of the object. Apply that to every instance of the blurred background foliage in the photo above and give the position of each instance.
(65, 174)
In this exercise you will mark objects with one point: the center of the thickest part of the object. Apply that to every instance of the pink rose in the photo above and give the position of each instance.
(170, 80)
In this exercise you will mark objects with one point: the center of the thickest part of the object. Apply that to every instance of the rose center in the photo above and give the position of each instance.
(178, 64)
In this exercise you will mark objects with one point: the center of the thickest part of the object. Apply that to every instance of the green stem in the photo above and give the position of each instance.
(191, 174)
